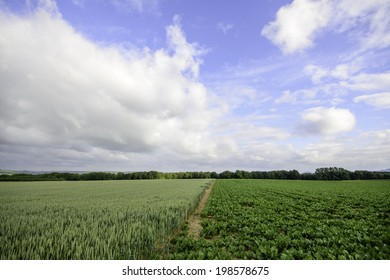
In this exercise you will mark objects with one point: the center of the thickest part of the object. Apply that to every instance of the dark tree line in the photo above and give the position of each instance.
(327, 173)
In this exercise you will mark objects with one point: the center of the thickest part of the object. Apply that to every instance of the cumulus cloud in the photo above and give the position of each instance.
(298, 24)
(378, 100)
(62, 92)
(326, 121)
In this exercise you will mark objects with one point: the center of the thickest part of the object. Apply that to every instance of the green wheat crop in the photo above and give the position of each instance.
(93, 219)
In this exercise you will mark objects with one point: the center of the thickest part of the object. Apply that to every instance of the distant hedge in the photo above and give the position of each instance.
(325, 173)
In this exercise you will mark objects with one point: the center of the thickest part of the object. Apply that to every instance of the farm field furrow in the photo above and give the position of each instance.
(93, 219)
(287, 219)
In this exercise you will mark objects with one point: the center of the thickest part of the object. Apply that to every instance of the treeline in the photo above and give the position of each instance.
(327, 173)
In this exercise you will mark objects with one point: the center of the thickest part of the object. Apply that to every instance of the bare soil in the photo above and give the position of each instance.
(194, 221)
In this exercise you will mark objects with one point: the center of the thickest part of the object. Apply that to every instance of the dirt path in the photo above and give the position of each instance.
(194, 221)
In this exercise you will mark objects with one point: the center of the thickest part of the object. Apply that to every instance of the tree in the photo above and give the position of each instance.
(332, 173)
(226, 175)
(294, 175)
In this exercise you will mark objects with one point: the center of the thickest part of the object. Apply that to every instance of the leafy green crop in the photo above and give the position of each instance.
(94, 219)
(269, 219)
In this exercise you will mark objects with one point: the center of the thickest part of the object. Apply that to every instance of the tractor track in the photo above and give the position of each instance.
(194, 220)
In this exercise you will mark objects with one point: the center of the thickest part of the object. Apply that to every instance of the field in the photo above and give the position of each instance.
(242, 219)
(280, 219)
(93, 219)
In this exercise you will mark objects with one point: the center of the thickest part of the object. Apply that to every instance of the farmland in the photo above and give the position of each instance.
(242, 219)
(94, 219)
(286, 219)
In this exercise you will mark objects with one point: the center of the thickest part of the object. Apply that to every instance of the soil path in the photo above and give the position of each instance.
(194, 221)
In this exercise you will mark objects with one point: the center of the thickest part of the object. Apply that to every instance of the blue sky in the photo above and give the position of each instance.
(194, 85)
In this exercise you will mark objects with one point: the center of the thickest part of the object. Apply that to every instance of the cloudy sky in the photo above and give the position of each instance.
(175, 85)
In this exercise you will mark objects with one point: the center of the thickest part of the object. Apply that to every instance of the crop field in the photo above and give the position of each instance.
(281, 219)
(93, 219)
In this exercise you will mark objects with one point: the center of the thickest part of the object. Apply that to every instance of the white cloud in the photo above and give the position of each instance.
(371, 146)
(372, 81)
(377, 137)
(186, 54)
(79, 3)
(302, 95)
(379, 100)
(69, 103)
(316, 73)
(287, 97)
(344, 78)
(139, 6)
(320, 154)
(62, 92)
(367, 20)
(344, 71)
(297, 24)
(326, 121)
(225, 27)
(250, 134)
(128, 6)
(233, 96)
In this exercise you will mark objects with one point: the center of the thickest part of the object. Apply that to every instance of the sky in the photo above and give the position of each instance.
(194, 85)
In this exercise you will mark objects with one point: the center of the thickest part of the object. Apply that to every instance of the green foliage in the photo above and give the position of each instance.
(325, 173)
(332, 173)
(268, 219)
(94, 219)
